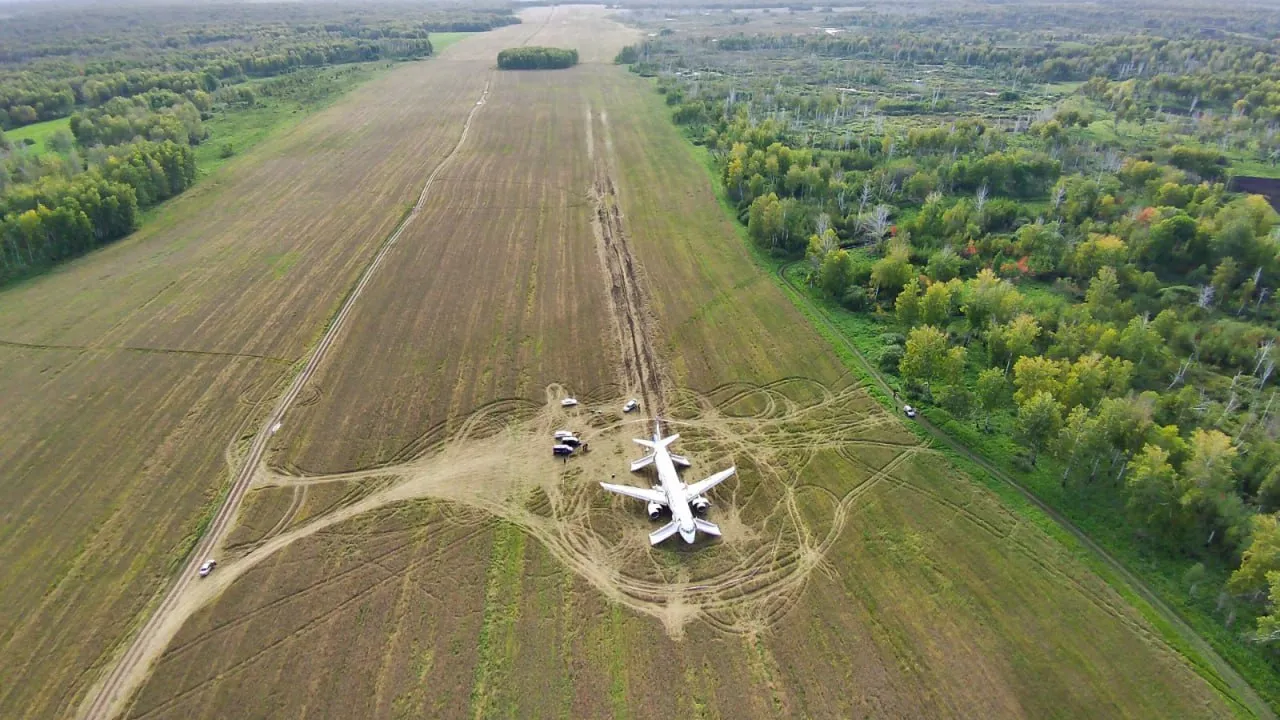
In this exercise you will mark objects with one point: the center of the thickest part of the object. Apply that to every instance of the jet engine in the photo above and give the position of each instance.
(655, 511)
(700, 505)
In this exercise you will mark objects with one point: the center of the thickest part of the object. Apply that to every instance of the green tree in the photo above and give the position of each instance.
(944, 265)
(1103, 293)
(907, 305)
(991, 393)
(1039, 420)
(987, 298)
(1013, 340)
(836, 273)
(892, 272)
(1260, 559)
(1035, 375)
(1269, 624)
(935, 307)
(1155, 493)
(929, 357)
(1081, 440)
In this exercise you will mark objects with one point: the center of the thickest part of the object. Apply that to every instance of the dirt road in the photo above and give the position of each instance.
(108, 699)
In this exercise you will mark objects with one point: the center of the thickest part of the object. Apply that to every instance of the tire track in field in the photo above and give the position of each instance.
(628, 301)
(108, 699)
(139, 349)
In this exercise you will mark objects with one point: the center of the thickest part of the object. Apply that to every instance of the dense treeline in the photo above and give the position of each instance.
(56, 217)
(1092, 306)
(55, 59)
(537, 58)
(139, 84)
(158, 115)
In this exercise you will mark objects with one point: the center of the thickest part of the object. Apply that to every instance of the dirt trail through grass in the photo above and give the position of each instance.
(632, 317)
(108, 699)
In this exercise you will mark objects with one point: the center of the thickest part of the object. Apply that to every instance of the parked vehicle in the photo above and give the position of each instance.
(909, 411)
(561, 450)
(631, 405)
(208, 567)
(568, 402)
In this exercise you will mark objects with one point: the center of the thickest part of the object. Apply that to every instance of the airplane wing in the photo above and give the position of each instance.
(680, 460)
(643, 462)
(645, 494)
(702, 486)
(664, 532)
(709, 528)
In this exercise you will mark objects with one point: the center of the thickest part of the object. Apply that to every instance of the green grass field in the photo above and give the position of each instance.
(442, 40)
(38, 134)
(280, 106)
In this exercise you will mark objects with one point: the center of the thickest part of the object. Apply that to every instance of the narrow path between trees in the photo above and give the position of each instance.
(1243, 692)
(111, 697)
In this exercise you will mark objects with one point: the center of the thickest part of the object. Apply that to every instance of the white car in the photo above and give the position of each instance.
(909, 411)
(568, 402)
(207, 567)
(631, 405)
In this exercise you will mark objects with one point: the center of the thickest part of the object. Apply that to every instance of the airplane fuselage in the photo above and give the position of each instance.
(675, 490)
(672, 493)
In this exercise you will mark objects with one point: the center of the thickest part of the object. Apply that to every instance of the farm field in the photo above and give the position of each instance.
(128, 374)
(409, 548)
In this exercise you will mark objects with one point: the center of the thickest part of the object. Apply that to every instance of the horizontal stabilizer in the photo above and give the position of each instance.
(643, 462)
(702, 486)
(655, 444)
(680, 460)
(709, 528)
(645, 494)
(664, 532)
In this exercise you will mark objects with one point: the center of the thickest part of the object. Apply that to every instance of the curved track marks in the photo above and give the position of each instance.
(110, 697)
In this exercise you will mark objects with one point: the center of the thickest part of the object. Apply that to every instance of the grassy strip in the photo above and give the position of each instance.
(497, 642)
(239, 128)
(442, 40)
(851, 334)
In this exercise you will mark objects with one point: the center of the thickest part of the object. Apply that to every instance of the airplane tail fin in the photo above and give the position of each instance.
(644, 443)
(664, 532)
(709, 528)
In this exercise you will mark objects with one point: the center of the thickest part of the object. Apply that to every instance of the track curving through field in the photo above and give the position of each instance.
(1243, 691)
(110, 697)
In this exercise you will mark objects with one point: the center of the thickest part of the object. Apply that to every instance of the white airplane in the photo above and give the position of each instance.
(684, 501)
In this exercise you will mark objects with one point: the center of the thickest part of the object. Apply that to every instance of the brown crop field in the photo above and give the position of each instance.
(408, 547)
(128, 374)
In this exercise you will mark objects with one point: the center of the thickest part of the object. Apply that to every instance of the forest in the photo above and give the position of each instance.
(537, 58)
(1031, 233)
(50, 67)
(136, 87)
